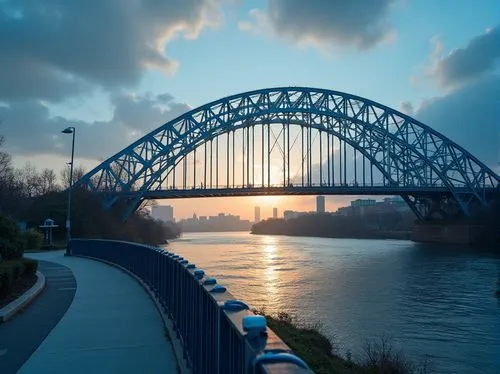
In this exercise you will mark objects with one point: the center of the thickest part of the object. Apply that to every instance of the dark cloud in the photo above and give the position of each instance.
(55, 48)
(356, 22)
(469, 116)
(29, 129)
(479, 57)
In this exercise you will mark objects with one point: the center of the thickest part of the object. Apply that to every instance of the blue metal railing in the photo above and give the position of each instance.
(206, 319)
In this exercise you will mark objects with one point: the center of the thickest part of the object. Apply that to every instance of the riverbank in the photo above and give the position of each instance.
(339, 227)
(322, 357)
(396, 235)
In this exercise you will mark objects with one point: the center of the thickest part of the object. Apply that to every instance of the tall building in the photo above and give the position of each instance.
(275, 213)
(163, 212)
(257, 214)
(320, 204)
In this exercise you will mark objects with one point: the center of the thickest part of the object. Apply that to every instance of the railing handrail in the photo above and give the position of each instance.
(208, 324)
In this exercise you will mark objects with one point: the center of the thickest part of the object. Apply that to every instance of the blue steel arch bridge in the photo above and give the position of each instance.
(297, 141)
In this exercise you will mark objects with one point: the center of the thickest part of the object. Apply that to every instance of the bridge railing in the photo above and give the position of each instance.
(204, 316)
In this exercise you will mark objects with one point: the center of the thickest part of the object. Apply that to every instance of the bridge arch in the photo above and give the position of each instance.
(405, 151)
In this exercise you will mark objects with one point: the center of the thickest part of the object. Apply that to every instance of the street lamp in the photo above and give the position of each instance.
(69, 130)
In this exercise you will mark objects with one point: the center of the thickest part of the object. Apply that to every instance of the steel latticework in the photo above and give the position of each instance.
(297, 141)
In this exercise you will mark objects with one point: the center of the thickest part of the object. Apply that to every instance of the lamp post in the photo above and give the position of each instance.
(69, 130)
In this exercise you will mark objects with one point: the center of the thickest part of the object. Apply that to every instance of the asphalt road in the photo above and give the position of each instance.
(21, 335)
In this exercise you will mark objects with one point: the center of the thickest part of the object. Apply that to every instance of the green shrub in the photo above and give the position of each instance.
(4, 284)
(10, 244)
(9, 229)
(32, 239)
(12, 270)
(10, 250)
(30, 265)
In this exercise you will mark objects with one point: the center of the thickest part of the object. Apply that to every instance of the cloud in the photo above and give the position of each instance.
(478, 58)
(406, 107)
(57, 48)
(358, 23)
(469, 116)
(469, 109)
(30, 131)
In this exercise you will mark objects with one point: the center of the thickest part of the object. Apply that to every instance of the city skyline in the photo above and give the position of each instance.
(275, 212)
(116, 88)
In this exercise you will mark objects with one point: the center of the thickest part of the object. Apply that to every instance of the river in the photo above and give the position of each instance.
(431, 300)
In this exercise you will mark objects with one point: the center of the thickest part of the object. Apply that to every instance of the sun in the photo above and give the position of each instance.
(271, 201)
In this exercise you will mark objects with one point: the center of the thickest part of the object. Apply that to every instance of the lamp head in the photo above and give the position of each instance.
(68, 130)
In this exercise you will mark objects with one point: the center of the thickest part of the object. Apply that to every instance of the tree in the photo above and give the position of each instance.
(48, 181)
(78, 173)
(29, 178)
(5, 162)
(146, 207)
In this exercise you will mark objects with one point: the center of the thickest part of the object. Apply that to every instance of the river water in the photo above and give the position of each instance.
(436, 301)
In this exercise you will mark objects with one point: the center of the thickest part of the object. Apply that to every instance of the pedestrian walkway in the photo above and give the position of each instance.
(21, 335)
(112, 326)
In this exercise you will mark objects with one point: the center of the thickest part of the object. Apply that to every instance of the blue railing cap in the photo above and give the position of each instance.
(209, 281)
(234, 305)
(282, 357)
(217, 289)
(199, 273)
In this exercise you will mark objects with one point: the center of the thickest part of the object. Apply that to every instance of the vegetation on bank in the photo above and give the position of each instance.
(322, 357)
(31, 195)
(396, 225)
(17, 274)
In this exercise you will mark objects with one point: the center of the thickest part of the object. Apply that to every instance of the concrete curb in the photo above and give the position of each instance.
(22, 301)
(176, 344)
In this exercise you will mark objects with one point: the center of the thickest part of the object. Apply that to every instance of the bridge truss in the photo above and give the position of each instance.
(297, 141)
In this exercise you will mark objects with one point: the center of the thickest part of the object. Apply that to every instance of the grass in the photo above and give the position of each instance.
(310, 345)
(307, 341)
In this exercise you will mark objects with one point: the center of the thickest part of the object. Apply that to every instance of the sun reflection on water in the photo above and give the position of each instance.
(270, 251)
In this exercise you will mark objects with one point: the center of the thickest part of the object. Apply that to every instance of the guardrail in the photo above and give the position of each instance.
(218, 334)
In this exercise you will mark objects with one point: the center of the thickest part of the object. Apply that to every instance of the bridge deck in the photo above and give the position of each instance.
(302, 190)
(112, 326)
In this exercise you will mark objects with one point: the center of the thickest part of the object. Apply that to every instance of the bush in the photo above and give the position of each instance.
(12, 271)
(4, 284)
(30, 265)
(10, 244)
(382, 357)
(32, 239)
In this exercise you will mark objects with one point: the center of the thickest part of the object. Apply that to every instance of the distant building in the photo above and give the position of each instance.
(275, 213)
(218, 223)
(345, 211)
(257, 214)
(163, 212)
(363, 202)
(320, 204)
(397, 203)
(360, 207)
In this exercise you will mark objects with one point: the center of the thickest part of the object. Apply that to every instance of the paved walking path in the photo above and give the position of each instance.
(21, 335)
(112, 326)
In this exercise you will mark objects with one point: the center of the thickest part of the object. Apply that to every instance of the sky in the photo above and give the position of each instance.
(118, 69)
